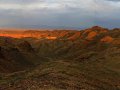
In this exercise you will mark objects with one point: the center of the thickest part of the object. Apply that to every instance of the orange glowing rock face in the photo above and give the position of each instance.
(51, 38)
(22, 34)
(25, 35)
(91, 35)
(107, 39)
(14, 35)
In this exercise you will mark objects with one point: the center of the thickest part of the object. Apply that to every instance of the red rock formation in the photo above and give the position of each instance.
(107, 39)
(91, 35)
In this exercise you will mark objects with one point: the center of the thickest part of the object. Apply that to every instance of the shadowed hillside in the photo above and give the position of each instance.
(60, 59)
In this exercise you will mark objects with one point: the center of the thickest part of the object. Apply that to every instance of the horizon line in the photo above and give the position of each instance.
(17, 28)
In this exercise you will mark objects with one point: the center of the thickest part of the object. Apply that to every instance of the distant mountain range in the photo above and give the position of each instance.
(60, 59)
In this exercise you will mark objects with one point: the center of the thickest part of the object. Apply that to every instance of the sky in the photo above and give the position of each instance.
(71, 14)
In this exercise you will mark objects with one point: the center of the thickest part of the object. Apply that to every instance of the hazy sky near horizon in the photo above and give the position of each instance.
(59, 13)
